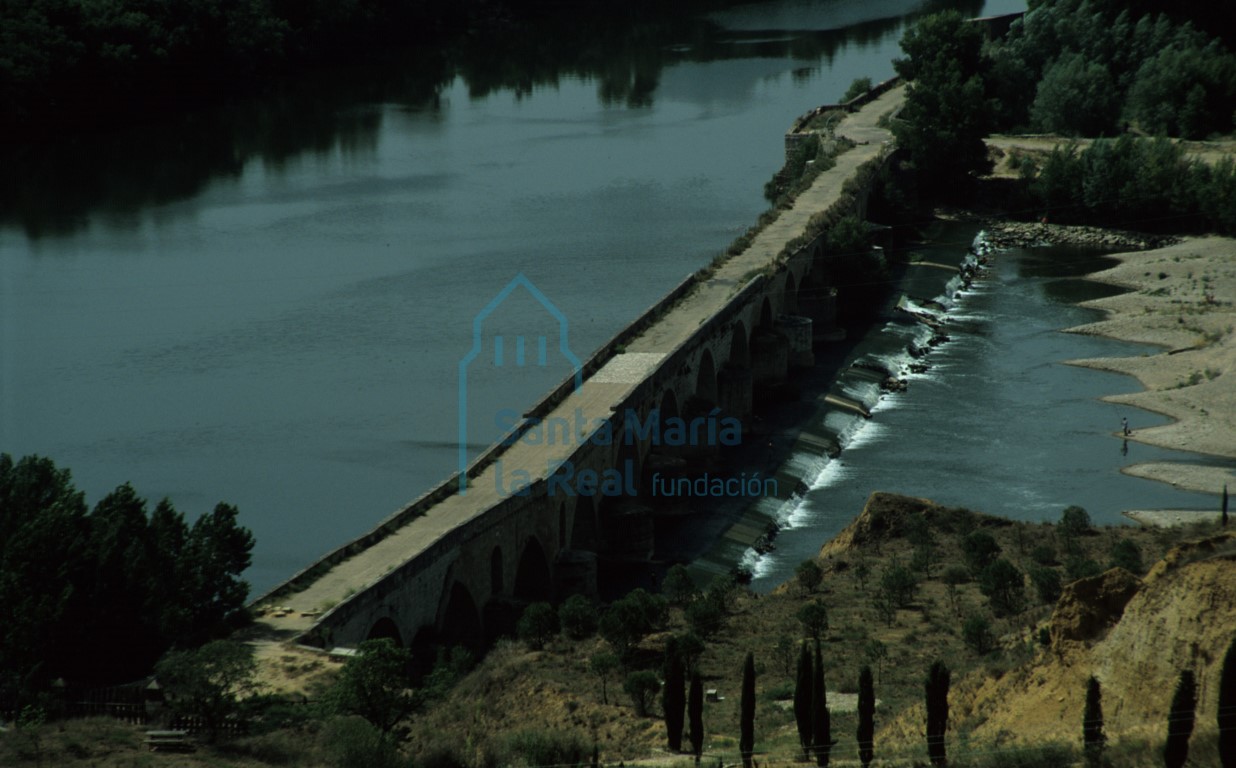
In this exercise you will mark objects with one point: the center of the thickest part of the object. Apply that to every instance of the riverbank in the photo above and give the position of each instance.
(1179, 299)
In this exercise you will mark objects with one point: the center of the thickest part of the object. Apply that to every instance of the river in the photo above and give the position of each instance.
(266, 303)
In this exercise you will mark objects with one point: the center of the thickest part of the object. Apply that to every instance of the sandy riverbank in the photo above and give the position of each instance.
(1182, 298)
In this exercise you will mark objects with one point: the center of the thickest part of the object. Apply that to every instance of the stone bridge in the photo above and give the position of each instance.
(457, 565)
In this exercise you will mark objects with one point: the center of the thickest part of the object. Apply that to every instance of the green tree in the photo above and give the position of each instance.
(1047, 583)
(1076, 98)
(814, 618)
(641, 686)
(217, 551)
(858, 87)
(705, 617)
(1225, 718)
(630, 618)
(876, 652)
(373, 685)
(821, 722)
(695, 715)
(976, 633)
(1074, 522)
(866, 716)
(1126, 555)
(1180, 719)
(899, 585)
(1005, 587)
(678, 586)
(603, 664)
(808, 575)
(803, 681)
(946, 114)
(746, 712)
(208, 682)
(1092, 724)
(673, 698)
(980, 550)
(578, 617)
(936, 688)
(538, 625)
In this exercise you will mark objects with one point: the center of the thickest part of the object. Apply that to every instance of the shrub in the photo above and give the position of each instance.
(1046, 583)
(1043, 554)
(678, 586)
(642, 687)
(977, 634)
(808, 575)
(858, 87)
(538, 625)
(1004, 586)
(898, 585)
(980, 550)
(536, 748)
(578, 617)
(1126, 555)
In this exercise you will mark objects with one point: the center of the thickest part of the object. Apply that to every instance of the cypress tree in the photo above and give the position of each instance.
(866, 716)
(672, 698)
(1180, 721)
(1227, 709)
(802, 700)
(695, 715)
(821, 721)
(936, 688)
(1092, 723)
(746, 717)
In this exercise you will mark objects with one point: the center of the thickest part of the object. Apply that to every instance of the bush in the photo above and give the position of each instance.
(578, 617)
(678, 586)
(980, 550)
(357, 744)
(899, 585)
(1046, 583)
(704, 617)
(536, 748)
(1004, 586)
(858, 87)
(538, 625)
(976, 633)
(1080, 567)
(1126, 555)
(809, 575)
(1043, 554)
(642, 687)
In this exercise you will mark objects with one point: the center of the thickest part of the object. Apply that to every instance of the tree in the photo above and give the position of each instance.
(1004, 586)
(642, 687)
(936, 688)
(1126, 555)
(876, 652)
(678, 586)
(1076, 98)
(814, 618)
(217, 551)
(899, 585)
(946, 115)
(980, 550)
(783, 651)
(208, 682)
(672, 698)
(603, 664)
(1226, 714)
(821, 722)
(1092, 724)
(538, 625)
(1180, 721)
(630, 618)
(866, 716)
(1046, 583)
(1074, 522)
(953, 577)
(373, 684)
(746, 708)
(802, 699)
(705, 617)
(578, 617)
(808, 575)
(695, 715)
(976, 633)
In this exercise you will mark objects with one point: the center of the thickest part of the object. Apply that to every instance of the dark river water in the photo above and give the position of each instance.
(267, 303)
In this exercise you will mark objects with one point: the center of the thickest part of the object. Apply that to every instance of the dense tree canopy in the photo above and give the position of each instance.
(96, 596)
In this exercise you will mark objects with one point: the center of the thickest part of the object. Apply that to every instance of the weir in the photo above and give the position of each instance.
(456, 565)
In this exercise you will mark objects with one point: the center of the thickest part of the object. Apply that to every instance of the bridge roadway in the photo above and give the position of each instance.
(600, 395)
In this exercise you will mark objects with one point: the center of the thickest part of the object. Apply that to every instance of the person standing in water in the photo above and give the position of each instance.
(1124, 425)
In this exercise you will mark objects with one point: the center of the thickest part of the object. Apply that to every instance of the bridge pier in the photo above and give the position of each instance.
(770, 358)
(575, 573)
(798, 333)
(735, 392)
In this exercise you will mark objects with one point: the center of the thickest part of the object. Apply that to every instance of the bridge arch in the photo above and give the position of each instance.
(706, 379)
(385, 628)
(534, 581)
(766, 313)
(562, 526)
(790, 305)
(461, 620)
(584, 524)
(495, 571)
(740, 347)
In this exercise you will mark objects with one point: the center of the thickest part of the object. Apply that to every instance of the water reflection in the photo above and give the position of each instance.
(58, 189)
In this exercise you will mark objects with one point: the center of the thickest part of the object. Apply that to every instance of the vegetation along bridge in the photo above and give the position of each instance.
(458, 564)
